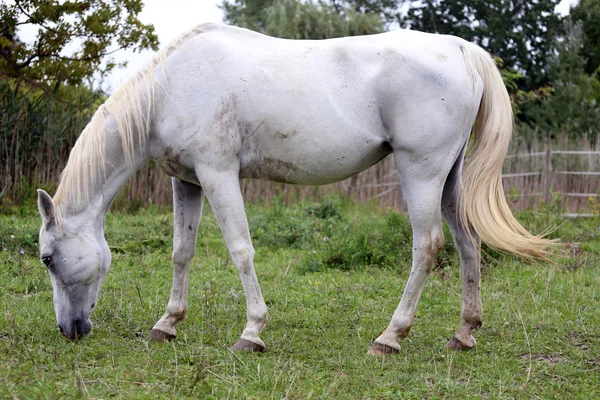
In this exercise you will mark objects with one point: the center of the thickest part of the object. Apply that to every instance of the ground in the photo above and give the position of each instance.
(332, 274)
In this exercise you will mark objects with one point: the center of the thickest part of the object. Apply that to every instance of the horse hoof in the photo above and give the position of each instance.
(380, 349)
(456, 344)
(160, 336)
(246, 345)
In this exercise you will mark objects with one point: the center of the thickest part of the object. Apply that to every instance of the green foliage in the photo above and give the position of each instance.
(357, 246)
(573, 107)
(521, 32)
(329, 208)
(18, 236)
(246, 13)
(294, 19)
(37, 131)
(149, 230)
(587, 12)
(385, 8)
(330, 238)
(519, 97)
(294, 227)
(97, 27)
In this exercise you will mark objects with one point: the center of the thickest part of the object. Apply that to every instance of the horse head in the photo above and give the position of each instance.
(77, 257)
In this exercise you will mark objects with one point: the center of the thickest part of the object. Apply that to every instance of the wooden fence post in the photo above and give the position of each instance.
(548, 173)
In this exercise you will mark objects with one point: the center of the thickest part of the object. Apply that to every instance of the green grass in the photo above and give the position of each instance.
(328, 300)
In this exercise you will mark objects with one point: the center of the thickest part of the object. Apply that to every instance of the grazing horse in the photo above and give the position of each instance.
(223, 103)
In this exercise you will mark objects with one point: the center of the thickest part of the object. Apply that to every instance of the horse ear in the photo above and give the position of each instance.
(45, 205)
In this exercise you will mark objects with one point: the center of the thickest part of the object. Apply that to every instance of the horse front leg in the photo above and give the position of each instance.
(187, 211)
(224, 194)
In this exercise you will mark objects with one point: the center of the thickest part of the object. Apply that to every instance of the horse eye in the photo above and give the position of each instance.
(47, 260)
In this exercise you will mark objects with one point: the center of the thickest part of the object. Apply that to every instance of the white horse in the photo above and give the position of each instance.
(223, 103)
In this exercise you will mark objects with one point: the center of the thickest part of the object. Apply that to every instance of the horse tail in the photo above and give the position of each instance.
(483, 207)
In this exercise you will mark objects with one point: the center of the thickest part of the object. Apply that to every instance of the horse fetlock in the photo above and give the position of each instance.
(402, 325)
(387, 342)
(258, 319)
(259, 312)
(176, 313)
(472, 319)
(475, 323)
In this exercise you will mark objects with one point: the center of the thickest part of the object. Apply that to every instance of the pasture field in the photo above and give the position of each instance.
(332, 274)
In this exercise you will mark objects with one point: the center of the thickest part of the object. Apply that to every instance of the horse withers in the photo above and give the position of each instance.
(224, 103)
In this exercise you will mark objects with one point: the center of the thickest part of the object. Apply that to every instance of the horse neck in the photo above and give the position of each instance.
(119, 170)
(93, 179)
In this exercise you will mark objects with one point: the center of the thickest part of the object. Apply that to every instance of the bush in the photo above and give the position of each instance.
(361, 244)
(280, 225)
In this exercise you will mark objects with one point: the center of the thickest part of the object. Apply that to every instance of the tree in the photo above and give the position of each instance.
(97, 28)
(246, 13)
(521, 32)
(588, 13)
(294, 19)
(572, 108)
(387, 9)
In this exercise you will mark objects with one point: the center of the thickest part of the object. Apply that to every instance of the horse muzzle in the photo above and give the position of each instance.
(76, 329)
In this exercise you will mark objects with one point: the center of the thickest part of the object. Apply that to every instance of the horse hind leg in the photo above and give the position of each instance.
(469, 253)
(423, 194)
(187, 211)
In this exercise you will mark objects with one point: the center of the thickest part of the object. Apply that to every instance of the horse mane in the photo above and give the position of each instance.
(132, 106)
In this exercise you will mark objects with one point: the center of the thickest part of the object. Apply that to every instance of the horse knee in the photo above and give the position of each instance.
(243, 258)
(182, 256)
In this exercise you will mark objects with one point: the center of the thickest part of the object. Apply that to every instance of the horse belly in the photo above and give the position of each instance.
(314, 158)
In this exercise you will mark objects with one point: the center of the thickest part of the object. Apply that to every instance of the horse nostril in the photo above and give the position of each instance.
(82, 327)
(62, 331)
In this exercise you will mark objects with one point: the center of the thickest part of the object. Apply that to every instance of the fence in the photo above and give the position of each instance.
(534, 172)
(576, 191)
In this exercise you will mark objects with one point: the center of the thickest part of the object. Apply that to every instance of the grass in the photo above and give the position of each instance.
(332, 279)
